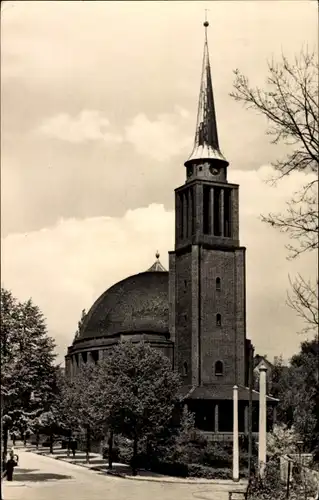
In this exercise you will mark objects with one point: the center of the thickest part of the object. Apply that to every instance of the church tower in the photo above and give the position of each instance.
(207, 267)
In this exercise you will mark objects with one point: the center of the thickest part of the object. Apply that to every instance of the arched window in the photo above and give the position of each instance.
(218, 320)
(185, 369)
(219, 368)
(218, 283)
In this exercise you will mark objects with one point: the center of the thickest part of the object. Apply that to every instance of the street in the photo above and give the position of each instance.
(44, 478)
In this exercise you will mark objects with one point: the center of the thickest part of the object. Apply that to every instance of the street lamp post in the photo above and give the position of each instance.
(1, 437)
(235, 435)
(262, 435)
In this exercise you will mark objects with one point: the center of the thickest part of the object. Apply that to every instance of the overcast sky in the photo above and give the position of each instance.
(98, 105)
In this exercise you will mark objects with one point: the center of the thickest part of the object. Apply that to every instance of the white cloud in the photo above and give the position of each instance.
(162, 138)
(67, 266)
(89, 125)
(159, 139)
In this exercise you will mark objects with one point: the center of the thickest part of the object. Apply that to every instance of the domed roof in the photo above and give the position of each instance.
(138, 303)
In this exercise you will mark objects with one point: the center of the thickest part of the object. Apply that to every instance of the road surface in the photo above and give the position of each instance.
(44, 478)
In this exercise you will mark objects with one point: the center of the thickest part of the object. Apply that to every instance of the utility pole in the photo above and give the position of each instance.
(235, 435)
(262, 431)
(1, 437)
(250, 409)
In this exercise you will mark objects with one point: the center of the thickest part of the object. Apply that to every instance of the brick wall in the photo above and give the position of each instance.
(196, 273)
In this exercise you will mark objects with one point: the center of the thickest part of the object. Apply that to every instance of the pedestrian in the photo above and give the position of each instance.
(73, 446)
(13, 437)
(10, 465)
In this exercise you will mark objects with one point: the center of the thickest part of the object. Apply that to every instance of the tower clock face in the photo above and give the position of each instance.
(214, 171)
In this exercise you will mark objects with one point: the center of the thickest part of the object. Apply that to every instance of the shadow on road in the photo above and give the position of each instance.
(23, 471)
(33, 476)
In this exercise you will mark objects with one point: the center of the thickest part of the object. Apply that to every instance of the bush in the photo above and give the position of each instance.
(217, 455)
(270, 488)
(196, 470)
(175, 469)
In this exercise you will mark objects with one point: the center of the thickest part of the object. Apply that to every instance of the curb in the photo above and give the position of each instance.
(226, 482)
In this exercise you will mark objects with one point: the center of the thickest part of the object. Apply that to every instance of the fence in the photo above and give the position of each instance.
(298, 470)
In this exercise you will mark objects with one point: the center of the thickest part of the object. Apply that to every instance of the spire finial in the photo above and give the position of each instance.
(157, 266)
(206, 23)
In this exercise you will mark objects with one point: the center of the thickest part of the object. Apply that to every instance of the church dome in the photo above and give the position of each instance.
(137, 304)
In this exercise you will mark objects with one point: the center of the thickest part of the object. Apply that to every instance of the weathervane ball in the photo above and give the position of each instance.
(206, 24)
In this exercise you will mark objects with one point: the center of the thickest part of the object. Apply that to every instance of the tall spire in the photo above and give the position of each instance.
(206, 145)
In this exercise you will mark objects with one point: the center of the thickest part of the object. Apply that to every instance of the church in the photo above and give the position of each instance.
(195, 313)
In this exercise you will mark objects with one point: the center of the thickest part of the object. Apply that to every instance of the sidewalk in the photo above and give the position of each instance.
(97, 463)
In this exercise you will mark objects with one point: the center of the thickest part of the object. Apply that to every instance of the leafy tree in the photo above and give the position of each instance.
(52, 421)
(80, 408)
(137, 391)
(290, 104)
(27, 369)
(298, 391)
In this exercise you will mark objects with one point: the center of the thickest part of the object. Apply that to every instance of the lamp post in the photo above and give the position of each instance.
(235, 435)
(262, 434)
(1, 437)
(250, 410)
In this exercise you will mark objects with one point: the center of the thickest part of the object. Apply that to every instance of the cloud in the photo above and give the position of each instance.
(161, 138)
(88, 125)
(67, 266)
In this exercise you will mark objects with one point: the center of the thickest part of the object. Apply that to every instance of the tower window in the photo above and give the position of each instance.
(219, 368)
(218, 320)
(181, 214)
(84, 357)
(217, 201)
(218, 283)
(206, 210)
(227, 213)
(193, 214)
(185, 369)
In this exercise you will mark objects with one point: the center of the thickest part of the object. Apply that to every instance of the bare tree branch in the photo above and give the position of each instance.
(303, 299)
(290, 105)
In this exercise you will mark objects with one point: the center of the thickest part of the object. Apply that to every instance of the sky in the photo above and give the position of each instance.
(98, 112)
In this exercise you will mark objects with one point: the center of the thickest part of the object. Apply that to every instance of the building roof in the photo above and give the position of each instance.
(157, 266)
(138, 303)
(220, 392)
(261, 359)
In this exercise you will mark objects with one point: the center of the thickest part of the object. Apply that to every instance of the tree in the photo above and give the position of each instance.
(290, 105)
(298, 391)
(27, 369)
(80, 408)
(137, 389)
(52, 421)
(303, 299)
